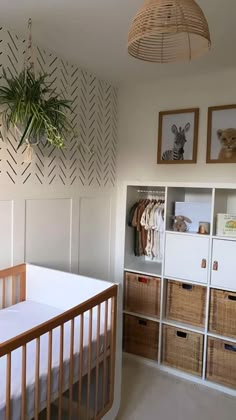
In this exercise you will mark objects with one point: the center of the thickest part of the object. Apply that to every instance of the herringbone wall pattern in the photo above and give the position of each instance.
(89, 158)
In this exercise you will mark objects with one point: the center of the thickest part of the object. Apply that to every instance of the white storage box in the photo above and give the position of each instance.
(195, 211)
(225, 224)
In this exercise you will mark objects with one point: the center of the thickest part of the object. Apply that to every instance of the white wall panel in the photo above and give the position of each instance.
(18, 231)
(6, 233)
(95, 234)
(48, 233)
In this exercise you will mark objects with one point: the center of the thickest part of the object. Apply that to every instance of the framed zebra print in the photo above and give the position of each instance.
(178, 136)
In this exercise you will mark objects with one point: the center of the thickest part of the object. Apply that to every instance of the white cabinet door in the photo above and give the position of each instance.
(223, 272)
(186, 257)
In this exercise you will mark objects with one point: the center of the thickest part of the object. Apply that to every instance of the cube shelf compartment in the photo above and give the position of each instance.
(182, 349)
(221, 362)
(142, 294)
(141, 337)
(186, 303)
(223, 313)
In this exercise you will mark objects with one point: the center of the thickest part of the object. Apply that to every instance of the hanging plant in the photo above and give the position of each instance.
(30, 106)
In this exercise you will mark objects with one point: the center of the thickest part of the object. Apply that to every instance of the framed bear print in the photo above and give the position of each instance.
(178, 136)
(221, 134)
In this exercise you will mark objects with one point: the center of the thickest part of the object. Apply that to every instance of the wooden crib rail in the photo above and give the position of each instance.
(12, 285)
(102, 367)
(23, 339)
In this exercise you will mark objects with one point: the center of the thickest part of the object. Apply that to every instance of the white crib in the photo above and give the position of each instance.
(57, 344)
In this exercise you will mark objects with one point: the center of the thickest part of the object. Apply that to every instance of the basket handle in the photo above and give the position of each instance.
(181, 334)
(142, 322)
(232, 297)
(230, 347)
(143, 280)
(186, 286)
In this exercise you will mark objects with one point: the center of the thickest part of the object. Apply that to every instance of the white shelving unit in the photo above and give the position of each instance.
(139, 315)
(183, 326)
(139, 265)
(222, 199)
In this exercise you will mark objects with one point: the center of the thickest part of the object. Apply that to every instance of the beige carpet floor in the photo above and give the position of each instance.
(148, 394)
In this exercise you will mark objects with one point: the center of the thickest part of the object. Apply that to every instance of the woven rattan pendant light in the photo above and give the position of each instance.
(167, 31)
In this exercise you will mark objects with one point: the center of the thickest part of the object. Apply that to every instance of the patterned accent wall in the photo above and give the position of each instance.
(90, 159)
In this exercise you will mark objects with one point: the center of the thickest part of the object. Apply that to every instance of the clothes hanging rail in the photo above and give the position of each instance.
(151, 192)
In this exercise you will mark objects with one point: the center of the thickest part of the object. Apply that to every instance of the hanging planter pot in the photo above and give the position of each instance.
(30, 108)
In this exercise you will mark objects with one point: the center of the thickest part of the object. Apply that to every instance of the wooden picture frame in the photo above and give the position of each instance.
(178, 129)
(221, 134)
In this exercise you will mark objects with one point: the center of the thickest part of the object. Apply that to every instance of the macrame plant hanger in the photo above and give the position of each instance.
(29, 65)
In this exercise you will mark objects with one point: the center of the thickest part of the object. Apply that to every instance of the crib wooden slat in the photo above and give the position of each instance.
(105, 356)
(13, 290)
(22, 286)
(71, 368)
(49, 382)
(3, 292)
(61, 371)
(113, 346)
(97, 358)
(23, 384)
(37, 367)
(8, 388)
(81, 356)
(89, 358)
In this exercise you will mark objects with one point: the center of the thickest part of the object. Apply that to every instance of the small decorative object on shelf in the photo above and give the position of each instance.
(226, 224)
(180, 224)
(196, 211)
(204, 228)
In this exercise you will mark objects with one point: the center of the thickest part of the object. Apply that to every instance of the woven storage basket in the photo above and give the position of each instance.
(221, 362)
(186, 303)
(140, 337)
(142, 294)
(223, 313)
(182, 349)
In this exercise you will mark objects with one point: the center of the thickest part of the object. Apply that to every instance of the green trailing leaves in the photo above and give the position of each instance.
(30, 105)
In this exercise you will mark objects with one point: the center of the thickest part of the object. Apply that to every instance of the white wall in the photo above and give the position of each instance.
(65, 229)
(138, 110)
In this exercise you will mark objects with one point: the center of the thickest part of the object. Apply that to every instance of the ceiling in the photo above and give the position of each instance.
(93, 33)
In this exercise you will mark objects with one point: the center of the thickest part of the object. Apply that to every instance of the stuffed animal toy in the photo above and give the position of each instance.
(180, 224)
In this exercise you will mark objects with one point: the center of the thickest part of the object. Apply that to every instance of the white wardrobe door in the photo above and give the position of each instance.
(186, 257)
(223, 264)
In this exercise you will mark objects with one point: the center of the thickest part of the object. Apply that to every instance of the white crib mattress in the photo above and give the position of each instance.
(26, 315)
